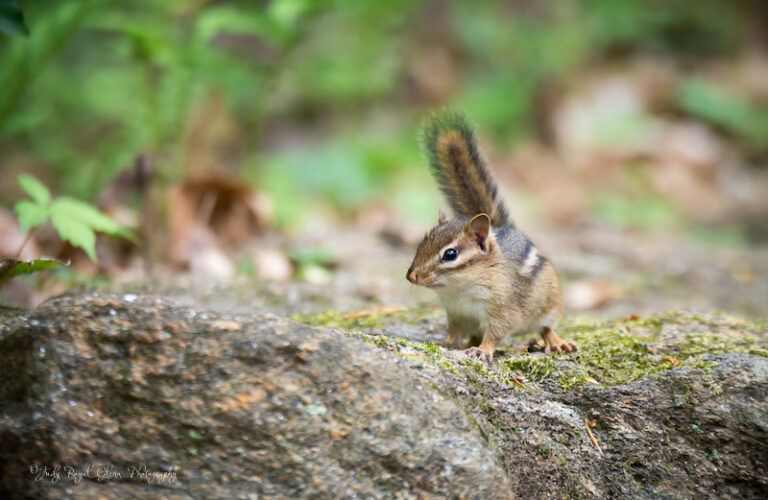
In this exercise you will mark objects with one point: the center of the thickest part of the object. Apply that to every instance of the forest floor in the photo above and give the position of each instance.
(607, 273)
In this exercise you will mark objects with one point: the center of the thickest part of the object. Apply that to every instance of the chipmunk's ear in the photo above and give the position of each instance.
(441, 217)
(479, 228)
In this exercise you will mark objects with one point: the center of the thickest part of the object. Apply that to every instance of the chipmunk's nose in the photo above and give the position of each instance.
(412, 276)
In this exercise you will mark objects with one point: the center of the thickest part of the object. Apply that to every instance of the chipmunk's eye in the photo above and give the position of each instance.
(450, 254)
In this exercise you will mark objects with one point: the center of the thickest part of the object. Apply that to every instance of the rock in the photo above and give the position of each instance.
(679, 404)
(106, 385)
(197, 404)
(687, 433)
(692, 433)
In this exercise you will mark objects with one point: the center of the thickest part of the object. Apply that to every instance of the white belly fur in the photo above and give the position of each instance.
(471, 303)
(465, 303)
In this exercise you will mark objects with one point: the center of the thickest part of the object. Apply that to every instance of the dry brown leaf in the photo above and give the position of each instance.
(671, 360)
(383, 311)
(631, 317)
(223, 209)
(592, 436)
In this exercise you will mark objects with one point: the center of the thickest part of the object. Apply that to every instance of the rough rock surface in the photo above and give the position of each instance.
(236, 407)
(686, 433)
(246, 405)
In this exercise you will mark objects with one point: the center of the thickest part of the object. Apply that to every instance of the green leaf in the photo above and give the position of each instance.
(232, 20)
(10, 268)
(287, 12)
(316, 256)
(88, 215)
(725, 109)
(34, 188)
(715, 104)
(12, 18)
(75, 231)
(30, 214)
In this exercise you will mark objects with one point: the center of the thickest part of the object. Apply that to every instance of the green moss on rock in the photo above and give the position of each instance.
(373, 318)
(610, 352)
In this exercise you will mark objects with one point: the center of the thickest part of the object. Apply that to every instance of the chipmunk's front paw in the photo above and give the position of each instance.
(476, 352)
(555, 343)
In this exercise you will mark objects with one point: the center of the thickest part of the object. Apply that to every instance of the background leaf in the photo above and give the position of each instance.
(34, 189)
(10, 268)
(73, 230)
(30, 214)
(88, 215)
(12, 18)
(726, 109)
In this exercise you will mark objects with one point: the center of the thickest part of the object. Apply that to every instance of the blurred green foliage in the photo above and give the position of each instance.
(12, 268)
(97, 82)
(727, 110)
(76, 221)
(12, 18)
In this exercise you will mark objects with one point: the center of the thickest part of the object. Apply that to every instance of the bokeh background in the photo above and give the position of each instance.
(267, 142)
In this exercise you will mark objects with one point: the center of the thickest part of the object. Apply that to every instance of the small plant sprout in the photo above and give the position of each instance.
(76, 222)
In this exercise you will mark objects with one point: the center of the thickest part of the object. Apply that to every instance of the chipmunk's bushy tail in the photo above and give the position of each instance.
(460, 170)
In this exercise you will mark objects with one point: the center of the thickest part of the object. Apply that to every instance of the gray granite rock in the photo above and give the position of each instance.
(192, 403)
(239, 407)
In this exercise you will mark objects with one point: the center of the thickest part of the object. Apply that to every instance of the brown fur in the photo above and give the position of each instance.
(460, 170)
(494, 287)
(483, 292)
(464, 177)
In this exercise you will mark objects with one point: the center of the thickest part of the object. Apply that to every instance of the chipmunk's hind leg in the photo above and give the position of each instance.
(552, 341)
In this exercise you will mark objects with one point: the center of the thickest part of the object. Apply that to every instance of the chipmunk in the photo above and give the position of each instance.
(489, 276)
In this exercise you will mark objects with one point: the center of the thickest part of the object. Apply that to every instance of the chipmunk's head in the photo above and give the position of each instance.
(447, 253)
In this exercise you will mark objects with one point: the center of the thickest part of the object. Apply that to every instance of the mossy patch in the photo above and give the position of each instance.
(610, 352)
(337, 319)
(367, 319)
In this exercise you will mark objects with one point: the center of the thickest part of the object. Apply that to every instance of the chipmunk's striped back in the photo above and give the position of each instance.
(460, 170)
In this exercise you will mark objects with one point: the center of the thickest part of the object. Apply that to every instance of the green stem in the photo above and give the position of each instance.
(24, 243)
